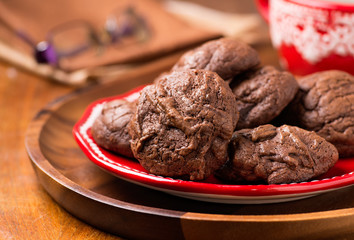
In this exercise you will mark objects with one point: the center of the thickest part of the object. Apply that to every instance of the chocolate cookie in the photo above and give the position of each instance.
(262, 95)
(110, 129)
(277, 155)
(183, 124)
(227, 57)
(325, 104)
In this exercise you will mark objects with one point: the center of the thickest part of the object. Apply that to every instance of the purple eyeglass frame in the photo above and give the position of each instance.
(45, 53)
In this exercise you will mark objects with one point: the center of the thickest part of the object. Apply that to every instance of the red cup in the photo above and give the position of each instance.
(311, 35)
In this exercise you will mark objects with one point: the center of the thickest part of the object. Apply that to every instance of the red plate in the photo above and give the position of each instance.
(212, 190)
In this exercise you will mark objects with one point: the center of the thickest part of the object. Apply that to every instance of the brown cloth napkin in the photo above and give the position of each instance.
(38, 17)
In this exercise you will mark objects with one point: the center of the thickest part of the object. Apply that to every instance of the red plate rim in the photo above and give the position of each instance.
(131, 170)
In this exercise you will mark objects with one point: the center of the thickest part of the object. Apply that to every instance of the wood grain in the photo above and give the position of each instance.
(26, 210)
(131, 211)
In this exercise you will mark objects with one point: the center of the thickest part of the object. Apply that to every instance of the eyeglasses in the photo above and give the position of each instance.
(75, 37)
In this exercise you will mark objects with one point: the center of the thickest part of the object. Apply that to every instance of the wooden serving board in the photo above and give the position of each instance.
(135, 212)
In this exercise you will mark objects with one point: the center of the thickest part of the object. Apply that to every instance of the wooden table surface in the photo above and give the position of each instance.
(26, 210)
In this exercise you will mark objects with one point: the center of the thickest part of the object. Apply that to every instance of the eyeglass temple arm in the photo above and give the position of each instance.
(21, 34)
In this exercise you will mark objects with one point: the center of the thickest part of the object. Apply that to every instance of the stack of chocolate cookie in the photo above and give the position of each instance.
(212, 115)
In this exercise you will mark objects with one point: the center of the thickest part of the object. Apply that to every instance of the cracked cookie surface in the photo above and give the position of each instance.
(227, 57)
(325, 104)
(262, 95)
(183, 124)
(277, 155)
(110, 129)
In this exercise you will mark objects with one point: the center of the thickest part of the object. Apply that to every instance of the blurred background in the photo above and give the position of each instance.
(57, 57)
(64, 41)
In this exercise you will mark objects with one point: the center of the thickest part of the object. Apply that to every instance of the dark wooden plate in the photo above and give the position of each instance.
(135, 212)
